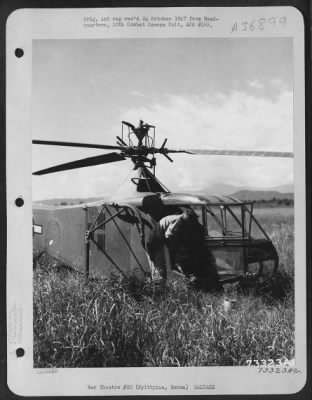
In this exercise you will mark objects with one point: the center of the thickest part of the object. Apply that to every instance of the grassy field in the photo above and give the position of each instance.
(110, 322)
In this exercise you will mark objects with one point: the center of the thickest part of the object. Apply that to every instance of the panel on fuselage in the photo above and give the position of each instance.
(115, 247)
(63, 231)
(119, 248)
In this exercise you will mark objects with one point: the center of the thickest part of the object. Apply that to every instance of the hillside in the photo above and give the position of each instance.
(257, 195)
(230, 190)
(68, 201)
(227, 189)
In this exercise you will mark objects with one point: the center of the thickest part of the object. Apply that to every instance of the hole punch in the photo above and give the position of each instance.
(19, 202)
(19, 52)
(20, 352)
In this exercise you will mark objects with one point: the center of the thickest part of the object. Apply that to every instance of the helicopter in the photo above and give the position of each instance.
(110, 236)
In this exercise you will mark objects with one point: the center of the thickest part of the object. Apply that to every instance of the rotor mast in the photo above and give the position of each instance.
(145, 180)
(144, 146)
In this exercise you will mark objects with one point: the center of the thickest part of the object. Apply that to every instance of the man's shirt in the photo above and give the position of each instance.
(168, 225)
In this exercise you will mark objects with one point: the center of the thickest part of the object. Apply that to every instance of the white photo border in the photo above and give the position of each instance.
(26, 25)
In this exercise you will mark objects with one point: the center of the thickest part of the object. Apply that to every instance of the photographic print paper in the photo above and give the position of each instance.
(156, 172)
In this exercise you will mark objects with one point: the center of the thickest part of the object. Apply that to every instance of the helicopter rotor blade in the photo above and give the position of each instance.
(249, 153)
(121, 142)
(76, 144)
(85, 162)
(129, 125)
(168, 158)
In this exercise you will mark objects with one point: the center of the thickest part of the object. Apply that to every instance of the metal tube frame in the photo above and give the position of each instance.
(125, 240)
(93, 228)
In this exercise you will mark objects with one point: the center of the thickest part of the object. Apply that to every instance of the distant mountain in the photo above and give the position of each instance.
(258, 195)
(241, 192)
(287, 188)
(228, 190)
(68, 201)
(223, 189)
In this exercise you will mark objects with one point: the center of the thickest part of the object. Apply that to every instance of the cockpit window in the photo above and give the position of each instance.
(225, 221)
(219, 221)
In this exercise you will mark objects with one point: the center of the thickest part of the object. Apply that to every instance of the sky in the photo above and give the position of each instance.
(212, 93)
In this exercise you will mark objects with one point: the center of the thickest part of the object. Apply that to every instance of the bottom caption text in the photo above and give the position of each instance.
(151, 387)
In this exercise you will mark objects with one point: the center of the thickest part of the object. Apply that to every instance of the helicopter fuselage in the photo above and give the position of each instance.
(110, 237)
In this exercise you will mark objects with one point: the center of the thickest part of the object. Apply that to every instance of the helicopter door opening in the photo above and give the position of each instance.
(225, 239)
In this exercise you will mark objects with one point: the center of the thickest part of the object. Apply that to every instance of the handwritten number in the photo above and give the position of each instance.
(258, 24)
(272, 21)
(234, 29)
(245, 25)
(261, 23)
(252, 28)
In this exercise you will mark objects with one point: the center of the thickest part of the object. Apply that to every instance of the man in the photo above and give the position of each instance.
(178, 241)
(192, 256)
(162, 236)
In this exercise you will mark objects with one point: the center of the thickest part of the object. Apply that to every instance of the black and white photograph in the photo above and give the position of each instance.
(167, 205)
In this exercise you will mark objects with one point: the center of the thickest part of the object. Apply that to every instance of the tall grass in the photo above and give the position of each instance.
(279, 225)
(114, 322)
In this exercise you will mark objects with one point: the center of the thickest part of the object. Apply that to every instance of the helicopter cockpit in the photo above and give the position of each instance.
(234, 236)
